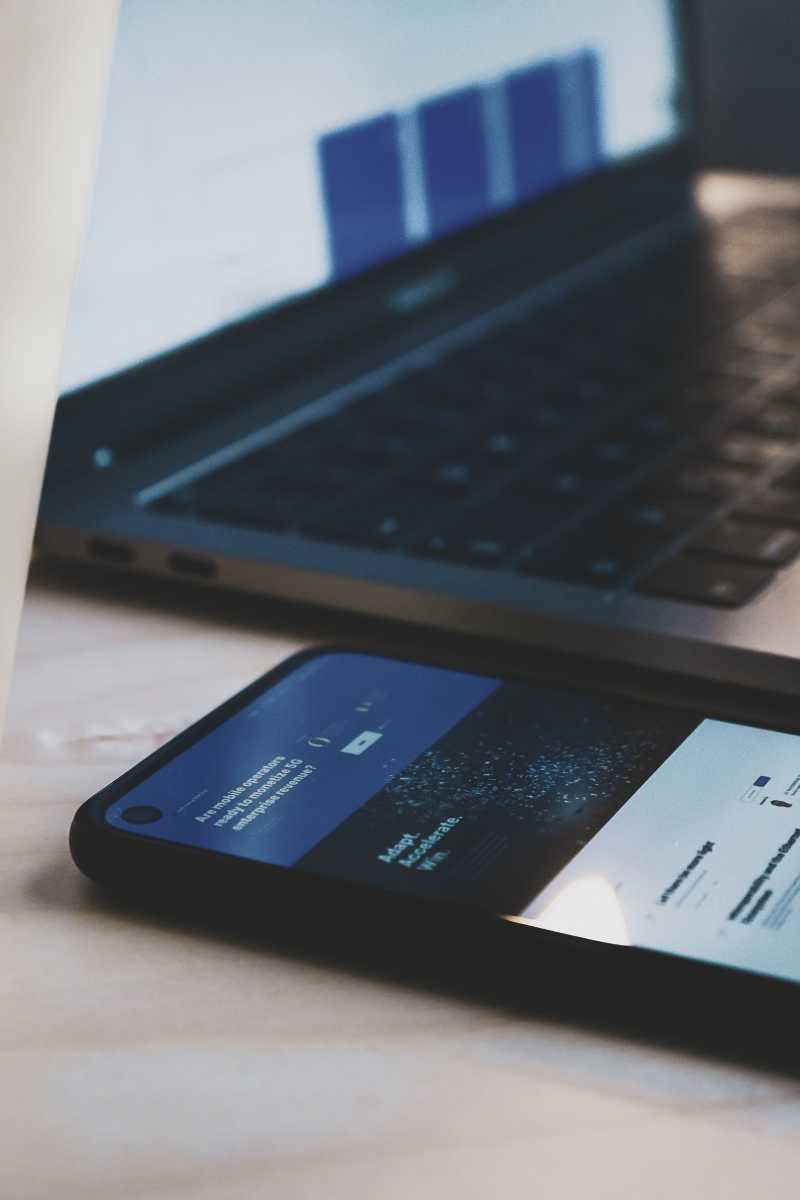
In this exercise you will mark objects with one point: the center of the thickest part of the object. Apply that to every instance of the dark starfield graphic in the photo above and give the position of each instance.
(505, 799)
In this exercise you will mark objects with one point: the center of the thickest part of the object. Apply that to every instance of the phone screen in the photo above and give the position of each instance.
(590, 815)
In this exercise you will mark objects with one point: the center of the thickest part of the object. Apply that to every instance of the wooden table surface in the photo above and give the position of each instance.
(144, 1060)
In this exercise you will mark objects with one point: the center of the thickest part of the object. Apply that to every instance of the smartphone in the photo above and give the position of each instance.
(640, 850)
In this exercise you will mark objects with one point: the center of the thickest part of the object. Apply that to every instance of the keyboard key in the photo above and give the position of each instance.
(436, 545)
(789, 395)
(317, 468)
(514, 520)
(702, 478)
(662, 518)
(751, 257)
(790, 479)
(773, 421)
(504, 444)
(490, 534)
(705, 581)
(373, 447)
(612, 456)
(773, 328)
(399, 413)
(533, 416)
(567, 481)
(253, 508)
(769, 545)
(775, 504)
(709, 390)
(379, 527)
(486, 552)
(747, 362)
(451, 478)
(328, 478)
(601, 555)
(661, 424)
(742, 451)
(455, 547)
(582, 565)
(587, 392)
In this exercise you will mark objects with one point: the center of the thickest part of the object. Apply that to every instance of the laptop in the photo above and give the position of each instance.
(412, 311)
(47, 140)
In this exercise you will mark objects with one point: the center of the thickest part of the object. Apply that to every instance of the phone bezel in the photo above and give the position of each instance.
(657, 989)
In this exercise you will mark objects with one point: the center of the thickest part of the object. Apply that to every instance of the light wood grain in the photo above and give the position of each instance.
(149, 1061)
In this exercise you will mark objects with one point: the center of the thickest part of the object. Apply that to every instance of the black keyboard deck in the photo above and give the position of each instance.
(642, 435)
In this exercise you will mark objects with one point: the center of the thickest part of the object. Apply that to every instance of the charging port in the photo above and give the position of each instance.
(189, 564)
(108, 551)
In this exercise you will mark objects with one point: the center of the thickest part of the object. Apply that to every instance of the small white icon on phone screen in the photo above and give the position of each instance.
(362, 742)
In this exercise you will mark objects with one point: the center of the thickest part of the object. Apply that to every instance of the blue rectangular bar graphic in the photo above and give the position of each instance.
(535, 120)
(454, 156)
(362, 193)
(585, 74)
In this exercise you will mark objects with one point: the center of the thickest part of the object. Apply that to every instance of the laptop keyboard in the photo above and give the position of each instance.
(642, 436)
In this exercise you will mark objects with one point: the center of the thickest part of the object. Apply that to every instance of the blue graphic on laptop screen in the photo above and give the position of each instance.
(319, 139)
(398, 179)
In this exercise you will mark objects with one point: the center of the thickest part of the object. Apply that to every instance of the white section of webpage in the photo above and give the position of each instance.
(702, 861)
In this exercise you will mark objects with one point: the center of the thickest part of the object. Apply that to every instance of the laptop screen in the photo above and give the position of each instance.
(256, 152)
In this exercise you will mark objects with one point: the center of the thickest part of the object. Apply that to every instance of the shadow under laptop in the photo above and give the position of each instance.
(299, 624)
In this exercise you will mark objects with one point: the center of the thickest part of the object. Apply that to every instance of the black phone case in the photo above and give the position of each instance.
(442, 942)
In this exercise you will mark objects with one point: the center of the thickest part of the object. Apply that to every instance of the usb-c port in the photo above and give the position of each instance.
(108, 551)
(189, 564)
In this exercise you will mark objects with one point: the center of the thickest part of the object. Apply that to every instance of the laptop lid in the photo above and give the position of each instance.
(280, 183)
(53, 62)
